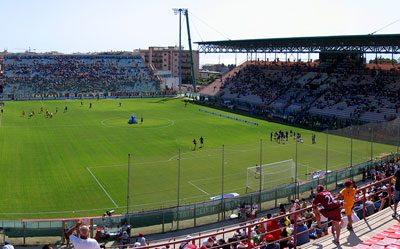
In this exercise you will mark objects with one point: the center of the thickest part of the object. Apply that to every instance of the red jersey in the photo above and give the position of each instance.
(326, 200)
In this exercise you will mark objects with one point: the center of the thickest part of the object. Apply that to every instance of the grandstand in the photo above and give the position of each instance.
(338, 85)
(58, 75)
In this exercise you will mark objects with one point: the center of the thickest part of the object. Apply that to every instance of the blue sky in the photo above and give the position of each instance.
(100, 25)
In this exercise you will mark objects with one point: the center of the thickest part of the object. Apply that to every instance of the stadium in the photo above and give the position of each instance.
(126, 142)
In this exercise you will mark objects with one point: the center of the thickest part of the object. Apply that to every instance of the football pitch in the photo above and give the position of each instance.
(75, 163)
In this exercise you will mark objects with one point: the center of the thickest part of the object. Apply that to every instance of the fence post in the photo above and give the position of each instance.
(390, 191)
(364, 199)
(248, 235)
(91, 228)
(336, 180)
(295, 230)
(163, 220)
(276, 197)
(24, 231)
(194, 214)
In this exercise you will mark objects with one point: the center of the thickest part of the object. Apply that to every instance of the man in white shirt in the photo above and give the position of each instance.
(82, 240)
(7, 245)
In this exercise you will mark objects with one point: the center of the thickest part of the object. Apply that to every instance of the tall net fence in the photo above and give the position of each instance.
(385, 135)
(199, 173)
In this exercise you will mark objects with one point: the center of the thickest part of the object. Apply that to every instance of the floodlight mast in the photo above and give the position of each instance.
(176, 12)
(186, 13)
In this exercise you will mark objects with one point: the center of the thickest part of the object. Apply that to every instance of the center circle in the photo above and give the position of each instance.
(148, 122)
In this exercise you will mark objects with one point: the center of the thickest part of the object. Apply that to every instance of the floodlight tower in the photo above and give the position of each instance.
(186, 13)
(176, 12)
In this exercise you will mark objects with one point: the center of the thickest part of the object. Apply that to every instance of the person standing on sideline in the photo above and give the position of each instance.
(348, 194)
(201, 142)
(330, 209)
(141, 120)
(82, 240)
(396, 192)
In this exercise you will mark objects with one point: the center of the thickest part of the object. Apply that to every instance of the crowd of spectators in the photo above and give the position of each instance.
(278, 229)
(309, 87)
(54, 73)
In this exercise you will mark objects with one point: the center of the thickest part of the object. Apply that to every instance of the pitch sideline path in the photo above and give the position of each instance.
(101, 186)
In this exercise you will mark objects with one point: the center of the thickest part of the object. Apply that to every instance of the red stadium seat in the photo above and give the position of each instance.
(361, 246)
(371, 241)
(392, 247)
(386, 242)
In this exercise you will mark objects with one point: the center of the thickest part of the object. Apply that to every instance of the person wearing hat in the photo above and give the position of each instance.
(330, 209)
(347, 194)
(7, 245)
(141, 239)
(82, 241)
(270, 242)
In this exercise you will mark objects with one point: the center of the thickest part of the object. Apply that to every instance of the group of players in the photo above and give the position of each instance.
(47, 113)
(201, 143)
(283, 137)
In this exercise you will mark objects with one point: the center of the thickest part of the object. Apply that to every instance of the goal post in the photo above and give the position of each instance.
(271, 174)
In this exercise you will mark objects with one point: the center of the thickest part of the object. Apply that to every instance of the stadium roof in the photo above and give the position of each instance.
(382, 44)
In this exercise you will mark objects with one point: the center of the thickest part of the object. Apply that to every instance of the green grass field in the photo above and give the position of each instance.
(75, 163)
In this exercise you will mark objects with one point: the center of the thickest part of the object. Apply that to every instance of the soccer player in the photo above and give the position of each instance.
(141, 120)
(65, 109)
(90, 105)
(120, 104)
(348, 194)
(258, 171)
(201, 142)
(331, 210)
(194, 143)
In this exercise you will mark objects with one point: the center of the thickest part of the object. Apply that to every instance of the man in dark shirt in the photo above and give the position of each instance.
(396, 192)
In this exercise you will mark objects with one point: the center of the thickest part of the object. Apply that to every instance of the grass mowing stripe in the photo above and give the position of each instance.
(101, 186)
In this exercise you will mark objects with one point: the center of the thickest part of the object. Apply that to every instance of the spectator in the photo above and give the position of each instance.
(348, 194)
(7, 245)
(82, 241)
(141, 239)
(330, 209)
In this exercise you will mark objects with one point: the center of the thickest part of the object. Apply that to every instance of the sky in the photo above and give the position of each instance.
(113, 25)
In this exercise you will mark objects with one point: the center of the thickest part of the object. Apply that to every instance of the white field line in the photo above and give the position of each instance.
(200, 189)
(101, 186)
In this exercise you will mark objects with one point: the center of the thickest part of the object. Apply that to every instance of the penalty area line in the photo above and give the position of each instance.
(200, 189)
(101, 186)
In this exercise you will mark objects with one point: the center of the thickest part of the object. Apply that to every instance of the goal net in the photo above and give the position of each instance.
(270, 175)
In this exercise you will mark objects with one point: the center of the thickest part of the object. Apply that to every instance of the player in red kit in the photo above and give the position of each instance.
(330, 209)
